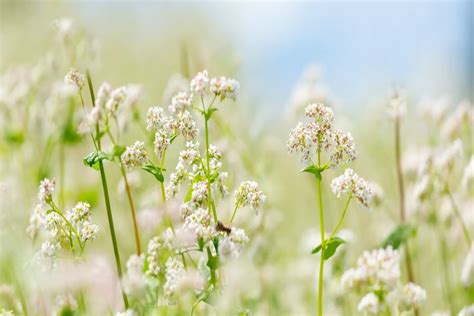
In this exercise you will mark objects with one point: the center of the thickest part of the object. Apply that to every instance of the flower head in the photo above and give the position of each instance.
(248, 194)
(200, 83)
(46, 190)
(135, 155)
(73, 77)
(352, 183)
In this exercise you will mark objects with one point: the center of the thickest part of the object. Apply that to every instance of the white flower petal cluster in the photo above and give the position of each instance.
(319, 133)
(376, 269)
(351, 182)
(200, 224)
(135, 155)
(134, 280)
(174, 274)
(225, 88)
(248, 194)
(74, 78)
(231, 245)
(413, 296)
(369, 304)
(46, 190)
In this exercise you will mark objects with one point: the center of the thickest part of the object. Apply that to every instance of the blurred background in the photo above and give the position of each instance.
(349, 54)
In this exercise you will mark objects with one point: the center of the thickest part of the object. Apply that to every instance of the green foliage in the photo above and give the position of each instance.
(92, 160)
(330, 247)
(399, 236)
(155, 171)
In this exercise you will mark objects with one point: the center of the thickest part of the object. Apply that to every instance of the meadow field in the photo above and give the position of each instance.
(150, 164)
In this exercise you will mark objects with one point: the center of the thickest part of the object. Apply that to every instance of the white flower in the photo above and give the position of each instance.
(135, 155)
(369, 304)
(103, 95)
(73, 77)
(180, 102)
(344, 148)
(224, 87)
(413, 296)
(90, 120)
(174, 273)
(320, 113)
(88, 231)
(46, 190)
(200, 194)
(36, 221)
(47, 255)
(248, 194)
(467, 272)
(117, 97)
(162, 142)
(187, 126)
(154, 246)
(353, 183)
(200, 83)
(231, 245)
(447, 158)
(80, 212)
(201, 224)
(134, 280)
(154, 118)
(468, 175)
(65, 28)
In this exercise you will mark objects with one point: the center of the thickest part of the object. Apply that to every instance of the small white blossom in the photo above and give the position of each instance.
(352, 183)
(180, 102)
(103, 95)
(154, 247)
(46, 190)
(73, 77)
(174, 273)
(200, 83)
(248, 194)
(200, 193)
(369, 304)
(162, 142)
(413, 296)
(154, 118)
(135, 155)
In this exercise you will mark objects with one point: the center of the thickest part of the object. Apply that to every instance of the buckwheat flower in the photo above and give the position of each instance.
(133, 93)
(80, 212)
(134, 280)
(73, 77)
(103, 94)
(381, 267)
(321, 114)
(467, 272)
(162, 142)
(167, 238)
(467, 311)
(344, 148)
(46, 190)
(397, 106)
(248, 194)
(89, 122)
(117, 96)
(135, 155)
(369, 304)
(200, 83)
(36, 221)
(174, 273)
(47, 255)
(180, 102)
(153, 250)
(200, 194)
(154, 118)
(187, 126)
(200, 223)
(350, 182)
(413, 296)
(299, 142)
(88, 231)
(224, 87)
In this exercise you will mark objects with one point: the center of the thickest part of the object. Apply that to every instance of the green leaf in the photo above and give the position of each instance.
(92, 160)
(209, 112)
(117, 151)
(314, 170)
(154, 170)
(399, 236)
(330, 247)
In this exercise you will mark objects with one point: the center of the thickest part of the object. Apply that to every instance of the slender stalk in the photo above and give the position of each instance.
(321, 228)
(341, 219)
(61, 172)
(401, 189)
(209, 192)
(132, 209)
(233, 213)
(465, 230)
(107, 200)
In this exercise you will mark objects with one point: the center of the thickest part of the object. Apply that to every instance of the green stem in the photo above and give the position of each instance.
(61, 172)
(107, 199)
(112, 229)
(465, 230)
(321, 228)
(233, 213)
(341, 219)
(208, 174)
(446, 288)
(132, 208)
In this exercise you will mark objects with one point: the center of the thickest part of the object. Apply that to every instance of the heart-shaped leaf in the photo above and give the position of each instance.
(330, 247)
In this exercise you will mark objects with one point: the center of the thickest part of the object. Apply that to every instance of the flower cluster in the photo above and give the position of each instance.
(219, 86)
(74, 78)
(248, 194)
(135, 155)
(350, 182)
(378, 275)
(66, 231)
(319, 134)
